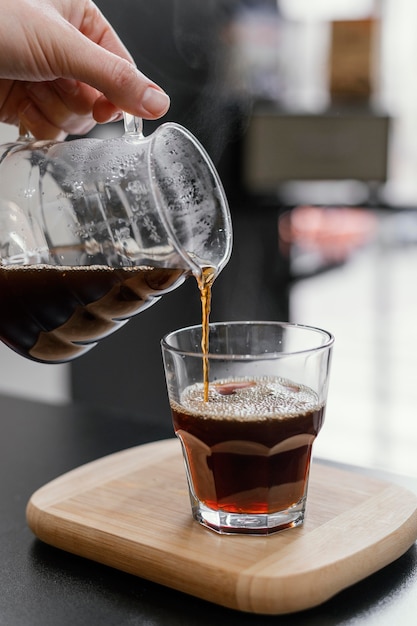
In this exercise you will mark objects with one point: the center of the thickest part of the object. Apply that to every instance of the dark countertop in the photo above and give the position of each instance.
(43, 586)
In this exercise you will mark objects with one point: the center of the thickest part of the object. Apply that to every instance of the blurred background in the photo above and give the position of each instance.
(309, 111)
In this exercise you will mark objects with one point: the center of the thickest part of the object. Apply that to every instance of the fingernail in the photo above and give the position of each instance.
(155, 102)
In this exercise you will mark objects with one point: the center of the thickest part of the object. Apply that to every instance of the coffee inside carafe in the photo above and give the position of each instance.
(54, 314)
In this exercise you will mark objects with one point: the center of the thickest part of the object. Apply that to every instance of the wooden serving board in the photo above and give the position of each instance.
(131, 511)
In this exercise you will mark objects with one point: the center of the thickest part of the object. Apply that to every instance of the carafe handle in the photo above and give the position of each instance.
(133, 125)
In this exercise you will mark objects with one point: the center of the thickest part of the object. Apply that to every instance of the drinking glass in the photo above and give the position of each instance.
(247, 448)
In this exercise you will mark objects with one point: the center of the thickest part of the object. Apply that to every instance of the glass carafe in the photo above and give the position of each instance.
(93, 231)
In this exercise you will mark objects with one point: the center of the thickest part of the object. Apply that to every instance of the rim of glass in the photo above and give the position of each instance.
(262, 355)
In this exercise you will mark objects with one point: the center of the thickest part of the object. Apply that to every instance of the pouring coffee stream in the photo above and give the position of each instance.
(94, 231)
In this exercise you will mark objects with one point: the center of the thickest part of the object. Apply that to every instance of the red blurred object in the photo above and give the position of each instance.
(332, 232)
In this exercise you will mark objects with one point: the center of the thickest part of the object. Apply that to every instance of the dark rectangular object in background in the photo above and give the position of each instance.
(280, 148)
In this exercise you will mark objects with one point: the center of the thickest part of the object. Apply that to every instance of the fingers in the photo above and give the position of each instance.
(119, 80)
(154, 104)
(51, 110)
(54, 109)
(33, 121)
(125, 87)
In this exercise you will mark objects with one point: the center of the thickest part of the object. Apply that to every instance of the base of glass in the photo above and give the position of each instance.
(247, 523)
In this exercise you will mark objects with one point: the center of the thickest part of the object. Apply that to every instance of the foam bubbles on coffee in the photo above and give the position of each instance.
(254, 398)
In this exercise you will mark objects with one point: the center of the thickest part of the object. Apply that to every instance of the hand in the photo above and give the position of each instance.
(63, 69)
